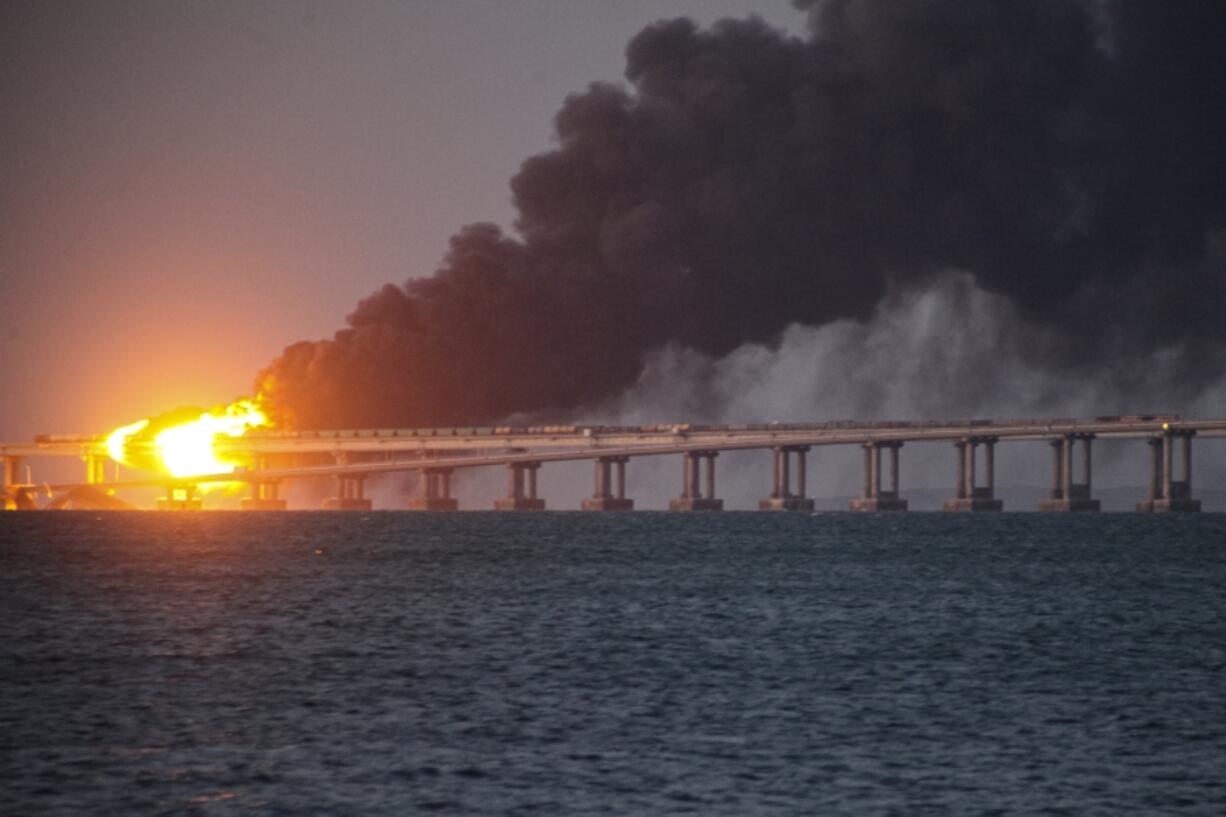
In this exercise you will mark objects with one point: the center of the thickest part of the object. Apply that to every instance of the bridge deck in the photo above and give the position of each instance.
(416, 449)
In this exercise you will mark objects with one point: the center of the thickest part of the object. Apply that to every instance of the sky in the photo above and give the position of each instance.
(186, 188)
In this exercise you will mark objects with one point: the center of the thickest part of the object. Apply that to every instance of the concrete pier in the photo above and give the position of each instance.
(435, 492)
(610, 491)
(264, 493)
(875, 497)
(521, 489)
(350, 490)
(782, 498)
(14, 497)
(1167, 494)
(263, 497)
(350, 495)
(95, 468)
(693, 497)
(179, 498)
(970, 496)
(1066, 493)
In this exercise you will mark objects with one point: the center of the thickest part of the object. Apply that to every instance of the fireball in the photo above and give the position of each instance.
(117, 442)
(181, 443)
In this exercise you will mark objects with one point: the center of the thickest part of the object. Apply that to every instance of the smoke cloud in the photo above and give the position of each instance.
(1066, 156)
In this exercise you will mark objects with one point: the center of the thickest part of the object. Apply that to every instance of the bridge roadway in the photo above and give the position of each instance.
(443, 450)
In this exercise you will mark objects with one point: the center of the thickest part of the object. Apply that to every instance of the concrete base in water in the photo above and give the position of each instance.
(877, 504)
(789, 503)
(695, 504)
(166, 503)
(336, 503)
(1168, 506)
(437, 503)
(253, 504)
(975, 504)
(607, 503)
(1074, 505)
(522, 504)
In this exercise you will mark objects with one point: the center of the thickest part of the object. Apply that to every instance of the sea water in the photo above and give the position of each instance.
(645, 663)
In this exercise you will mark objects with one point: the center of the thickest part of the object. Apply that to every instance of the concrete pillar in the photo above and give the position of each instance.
(1067, 467)
(1067, 494)
(969, 489)
(179, 498)
(1187, 461)
(692, 497)
(689, 464)
(867, 493)
(782, 498)
(95, 468)
(960, 490)
(521, 489)
(1155, 468)
(264, 496)
(610, 493)
(349, 490)
(1087, 464)
(989, 466)
(894, 478)
(1166, 493)
(710, 456)
(1057, 469)
(532, 468)
(874, 498)
(1167, 457)
(12, 471)
(968, 498)
(515, 481)
(435, 492)
(600, 476)
(9, 496)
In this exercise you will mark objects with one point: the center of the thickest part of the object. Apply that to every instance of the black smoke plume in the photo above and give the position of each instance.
(1070, 156)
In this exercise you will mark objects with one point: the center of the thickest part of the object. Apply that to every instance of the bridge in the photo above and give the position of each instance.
(350, 457)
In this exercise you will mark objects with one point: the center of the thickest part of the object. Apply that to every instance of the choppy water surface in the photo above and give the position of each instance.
(222, 663)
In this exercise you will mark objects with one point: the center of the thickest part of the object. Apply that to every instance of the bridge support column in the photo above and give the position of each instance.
(435, 492)
(875, 498)
(13, 495)
(782, 498)
(610, 491)
(264, 496)
(521, 488)
(1167, 494)
(95, 468)
(971, 496)
(180, 498)
(350, 494)
(1066, 493)
(264, 492)
(692, 496)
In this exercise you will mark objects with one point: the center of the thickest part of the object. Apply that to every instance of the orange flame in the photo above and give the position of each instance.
(185, 448)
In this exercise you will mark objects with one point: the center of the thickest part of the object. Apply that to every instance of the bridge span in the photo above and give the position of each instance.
(352, 456)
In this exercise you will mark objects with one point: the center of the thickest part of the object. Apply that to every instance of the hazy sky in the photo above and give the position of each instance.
(188, 187)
